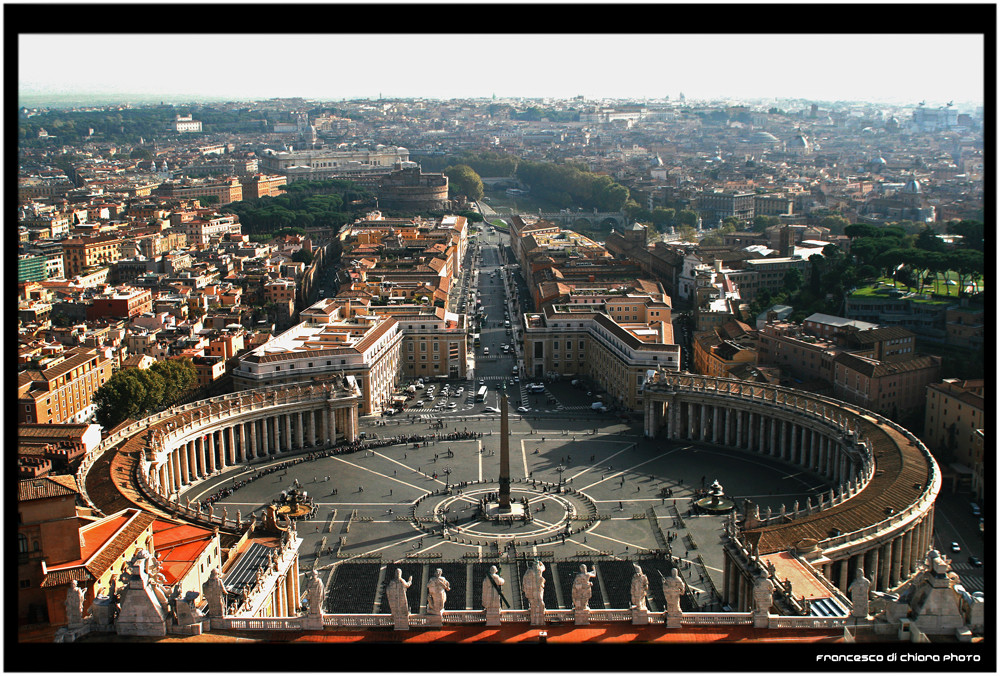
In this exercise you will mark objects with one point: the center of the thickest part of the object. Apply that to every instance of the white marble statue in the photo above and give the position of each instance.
(859, 594)
(533, 585)
(396, 594)
(583, 587)
(673, 589)
(74, 604)
(492, 589)
(763, 594)
(215, 594)
(639, 588)
(437, 593)
(316, 592)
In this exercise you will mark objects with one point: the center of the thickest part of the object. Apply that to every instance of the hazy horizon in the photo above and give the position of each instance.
(830, 68)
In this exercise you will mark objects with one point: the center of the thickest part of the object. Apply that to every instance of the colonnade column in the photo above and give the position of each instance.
(184, 450)
(200, 447)
(774, 437)
(783, 438)
(211, 452)
(253, 439)
(871, 570)
(288, 431)
(885, 556)
(265, 437)
(175, 457)
(300, 434)
(725, 427)
(762, 435)
(276, 426)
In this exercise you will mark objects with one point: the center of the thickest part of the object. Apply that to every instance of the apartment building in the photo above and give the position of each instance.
(893, 388)
(580, 340)
(956, 409)
(226, 189)
(82, 253)
(334, 338)
(123, 302)
(718, 206)
(62, 392)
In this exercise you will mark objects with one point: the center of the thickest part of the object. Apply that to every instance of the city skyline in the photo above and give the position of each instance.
(59, 67)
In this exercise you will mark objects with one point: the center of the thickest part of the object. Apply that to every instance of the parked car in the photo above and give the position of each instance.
(523, 409)
(975, 561)
(453, 405)
(955, 547)
(491, 409)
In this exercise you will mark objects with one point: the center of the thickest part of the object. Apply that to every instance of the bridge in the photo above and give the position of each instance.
(612, 219)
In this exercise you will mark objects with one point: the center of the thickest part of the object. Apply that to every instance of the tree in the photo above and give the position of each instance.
(688, 218)
(687, 233)
(929, 241)
(713, 239)
(971, 233)
(303, 256)
(762, 222)
(463, 180)
(118, 399)
(208, 200)
(835, 223)
(793, 280)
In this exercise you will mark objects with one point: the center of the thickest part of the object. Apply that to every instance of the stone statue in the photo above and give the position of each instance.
(763, 594)
(437, 588)
(395, 592)
(859, 594)
(186, 611)
(937, 564)
(639, 589)
(583, 588)
(673, 589)
(74, 604)
(534, 585)
(492, 590)
(316, 592)
(215, 594)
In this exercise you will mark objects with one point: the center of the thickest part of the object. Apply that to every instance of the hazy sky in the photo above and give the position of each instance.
(893, 68)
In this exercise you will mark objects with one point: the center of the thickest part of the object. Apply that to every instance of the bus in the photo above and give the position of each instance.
(481, 394)
(475, 339)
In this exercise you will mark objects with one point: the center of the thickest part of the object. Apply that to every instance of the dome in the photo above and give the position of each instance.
(912, 186)
(799, 141)
(877, 164)
(763, 137)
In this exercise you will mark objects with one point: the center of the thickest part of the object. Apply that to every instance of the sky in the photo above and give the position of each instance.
(893, 68)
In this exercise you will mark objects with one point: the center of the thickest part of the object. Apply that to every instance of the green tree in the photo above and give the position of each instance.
(463, 180)
(971, 233)
(688, 233)
(208, 200)
(118, 399)
(762, 222)
(836, 223)
(929, 241)
(688, 218)
(303, 256)
(792, 280)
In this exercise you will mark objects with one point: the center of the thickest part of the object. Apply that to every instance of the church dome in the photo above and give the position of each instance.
(798, 141)
(912, 186)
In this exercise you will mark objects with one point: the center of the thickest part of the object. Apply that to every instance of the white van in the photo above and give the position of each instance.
(486, 351)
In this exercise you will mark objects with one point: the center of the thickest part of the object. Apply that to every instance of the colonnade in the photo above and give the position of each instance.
(773, 432)
(221, 441)
(887, 561)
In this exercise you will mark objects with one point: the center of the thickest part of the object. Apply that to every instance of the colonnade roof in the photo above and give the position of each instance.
(902, 472)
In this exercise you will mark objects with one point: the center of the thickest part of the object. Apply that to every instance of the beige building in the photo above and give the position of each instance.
(955, 411)
(576, 340)
(334, 338)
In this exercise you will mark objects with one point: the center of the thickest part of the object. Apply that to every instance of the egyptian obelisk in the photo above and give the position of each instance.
(504, 500)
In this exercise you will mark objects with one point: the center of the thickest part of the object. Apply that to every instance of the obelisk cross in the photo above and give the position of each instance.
(504, 493)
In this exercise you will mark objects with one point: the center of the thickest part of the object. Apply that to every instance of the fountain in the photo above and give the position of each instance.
(715, 502)
(295, 504)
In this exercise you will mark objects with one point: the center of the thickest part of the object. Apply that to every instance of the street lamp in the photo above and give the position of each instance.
(447, 476)
(560, 469)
